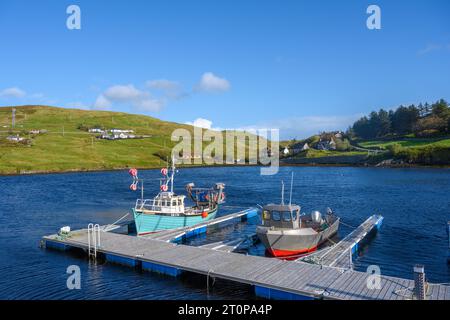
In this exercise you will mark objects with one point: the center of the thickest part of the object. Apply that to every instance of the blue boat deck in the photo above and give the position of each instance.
(186, 232)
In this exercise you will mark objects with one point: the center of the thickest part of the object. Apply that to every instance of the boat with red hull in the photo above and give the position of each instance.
(287, 233)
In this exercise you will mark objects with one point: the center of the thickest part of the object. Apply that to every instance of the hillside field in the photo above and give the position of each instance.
(443, 142)
(68, 146)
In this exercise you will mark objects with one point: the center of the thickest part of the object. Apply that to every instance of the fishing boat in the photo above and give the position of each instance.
(287, 233)
(167, 210)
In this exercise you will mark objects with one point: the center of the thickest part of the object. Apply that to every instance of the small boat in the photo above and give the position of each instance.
(167, 210)
(287, 233)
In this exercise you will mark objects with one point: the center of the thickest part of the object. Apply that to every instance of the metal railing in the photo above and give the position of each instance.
(93, 239)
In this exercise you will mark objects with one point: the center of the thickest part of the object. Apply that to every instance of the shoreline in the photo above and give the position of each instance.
(31, 173)
(391, 166)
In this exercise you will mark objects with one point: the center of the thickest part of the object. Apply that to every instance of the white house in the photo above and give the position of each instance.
(117, 136)
(326, 145)
(299, 147)
(15, 138)
(120, 136)
(120, 131)
(286, 151)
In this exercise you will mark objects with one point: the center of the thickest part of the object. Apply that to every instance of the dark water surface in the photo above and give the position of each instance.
(414, 202)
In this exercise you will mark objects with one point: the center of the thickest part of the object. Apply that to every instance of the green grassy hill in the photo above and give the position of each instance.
(403, 151)
(408, 143)
(67, 146)
(422, 151)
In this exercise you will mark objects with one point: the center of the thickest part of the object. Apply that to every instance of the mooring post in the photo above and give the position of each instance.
(419, 282)
(207, 282)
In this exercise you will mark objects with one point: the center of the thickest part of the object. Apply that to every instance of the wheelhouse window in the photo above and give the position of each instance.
(276, 216)
(266, 215)
(286, 216)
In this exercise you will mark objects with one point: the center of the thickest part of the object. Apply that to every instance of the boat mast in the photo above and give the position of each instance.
(173, 173)
(292, 182)
(290, 196)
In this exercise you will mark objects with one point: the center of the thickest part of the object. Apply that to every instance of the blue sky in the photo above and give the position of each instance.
(301, 66)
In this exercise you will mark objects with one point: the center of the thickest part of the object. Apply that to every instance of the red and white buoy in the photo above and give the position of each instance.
(133, 172)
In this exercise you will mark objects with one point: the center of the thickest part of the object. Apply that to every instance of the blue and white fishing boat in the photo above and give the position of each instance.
(168, 211)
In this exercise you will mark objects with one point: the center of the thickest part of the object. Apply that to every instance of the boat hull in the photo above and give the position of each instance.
(151, 223)
(286, 243)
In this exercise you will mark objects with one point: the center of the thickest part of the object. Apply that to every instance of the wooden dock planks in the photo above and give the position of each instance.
(302, 279)
(226, 246)
(339, 254)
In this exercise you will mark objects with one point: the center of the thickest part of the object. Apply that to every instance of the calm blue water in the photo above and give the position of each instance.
(414, 202)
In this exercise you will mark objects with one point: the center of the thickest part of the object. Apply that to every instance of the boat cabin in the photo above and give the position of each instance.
(281, 216)
(164, 202)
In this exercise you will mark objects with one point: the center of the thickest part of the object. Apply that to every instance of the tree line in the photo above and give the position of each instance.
(423, 120)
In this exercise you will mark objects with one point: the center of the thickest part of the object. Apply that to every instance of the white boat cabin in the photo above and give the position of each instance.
(164, 202)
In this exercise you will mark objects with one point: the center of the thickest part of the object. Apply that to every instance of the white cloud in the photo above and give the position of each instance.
(38, 96)
(150, 104)
(123, 93)
(212, 83)
(429, 48)
(102, 103)
(156, 93)
(128, 94)
(208, 124)
(163, 84)
(201, 123)
(170, 89)
(13, 92)
(434, 47)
